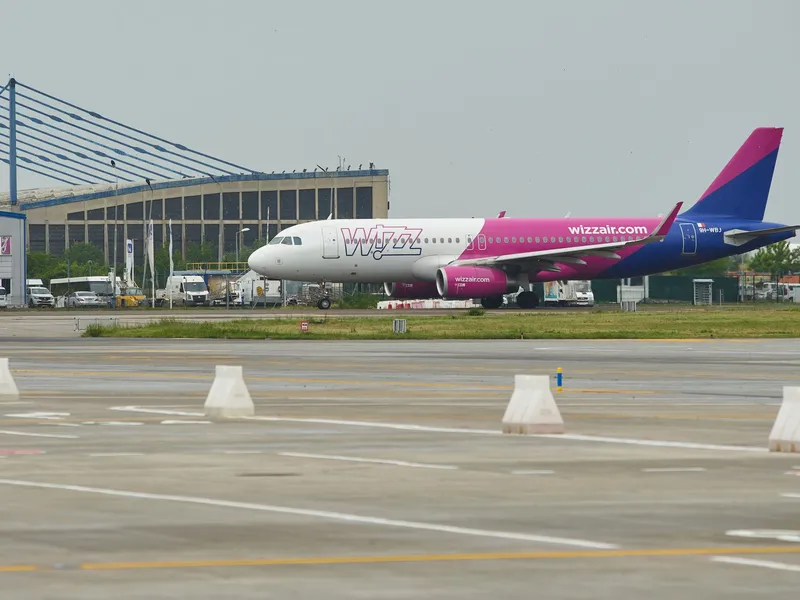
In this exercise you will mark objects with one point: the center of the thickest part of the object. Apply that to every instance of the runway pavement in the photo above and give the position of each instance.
(377, 470)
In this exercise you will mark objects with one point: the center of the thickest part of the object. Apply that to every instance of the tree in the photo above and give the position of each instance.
(776, 259)
(82, 253)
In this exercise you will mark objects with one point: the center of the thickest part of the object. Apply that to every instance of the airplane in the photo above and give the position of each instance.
(462, 258)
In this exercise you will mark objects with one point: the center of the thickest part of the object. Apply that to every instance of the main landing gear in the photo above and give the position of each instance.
(527, 299)
(492, 302)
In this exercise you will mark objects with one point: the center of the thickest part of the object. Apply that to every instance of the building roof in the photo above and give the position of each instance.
(42, 197)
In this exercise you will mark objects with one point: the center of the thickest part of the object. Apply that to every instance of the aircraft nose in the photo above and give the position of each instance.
(258, 261)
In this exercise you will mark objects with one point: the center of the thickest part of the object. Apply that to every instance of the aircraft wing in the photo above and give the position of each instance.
(546, 260)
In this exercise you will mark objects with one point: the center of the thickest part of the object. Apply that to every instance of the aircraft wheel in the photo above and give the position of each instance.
(492, 302)
(324, 303)
(527, 300)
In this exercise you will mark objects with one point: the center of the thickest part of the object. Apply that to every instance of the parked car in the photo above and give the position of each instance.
(3, 298)
(85, 299)
(40, 296)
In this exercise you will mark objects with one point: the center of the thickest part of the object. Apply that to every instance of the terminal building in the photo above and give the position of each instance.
(115, 178)
(210, 211)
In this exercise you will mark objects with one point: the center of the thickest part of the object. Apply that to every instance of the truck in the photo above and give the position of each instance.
(254, 289)
(185, 290)
(568, 293)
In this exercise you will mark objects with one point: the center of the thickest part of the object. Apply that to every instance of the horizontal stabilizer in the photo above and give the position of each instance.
(738, 237)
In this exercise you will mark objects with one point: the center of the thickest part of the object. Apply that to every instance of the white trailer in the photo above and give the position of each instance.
(253, 289)
(568, 293)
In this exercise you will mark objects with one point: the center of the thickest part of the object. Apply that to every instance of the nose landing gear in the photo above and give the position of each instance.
(324, 303)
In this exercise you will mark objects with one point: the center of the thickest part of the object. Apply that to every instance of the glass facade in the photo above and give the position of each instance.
(324, 202)
(363, 203)
(230, 206)
(37, 238)
(308, 205)
(152, 210)
(192, 208)
(174, 209)
(250, 206)
(288, 205)
(344, 203)
(210, 207)
(197, 218)
(269, 206)
(77, 233)
(57, 237)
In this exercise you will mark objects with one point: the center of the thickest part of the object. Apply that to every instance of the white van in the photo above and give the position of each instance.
(3, 297)
(188, 290)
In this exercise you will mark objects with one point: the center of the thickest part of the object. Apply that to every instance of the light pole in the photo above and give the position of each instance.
(237, 238)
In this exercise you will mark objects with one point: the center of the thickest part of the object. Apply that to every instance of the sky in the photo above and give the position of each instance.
(613, 108)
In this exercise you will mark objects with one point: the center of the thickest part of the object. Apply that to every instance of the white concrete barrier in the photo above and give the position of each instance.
(532, 408)
(8, 388)
(785, 434)
(228, 396)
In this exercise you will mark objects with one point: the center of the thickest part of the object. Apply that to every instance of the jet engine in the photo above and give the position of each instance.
(417, 290)
(473, 282)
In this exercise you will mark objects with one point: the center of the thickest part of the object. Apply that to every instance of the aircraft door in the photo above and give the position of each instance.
(330, 242)
(689, 234)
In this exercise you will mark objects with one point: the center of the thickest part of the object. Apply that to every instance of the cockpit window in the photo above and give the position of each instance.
(275, 241)
(298, 241)
(287, 241)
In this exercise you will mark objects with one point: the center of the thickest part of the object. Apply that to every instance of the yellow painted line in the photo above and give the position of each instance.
(18, 568)
(415, 558)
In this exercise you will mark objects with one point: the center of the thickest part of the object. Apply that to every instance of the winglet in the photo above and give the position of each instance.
(666, 223)
(501, 215)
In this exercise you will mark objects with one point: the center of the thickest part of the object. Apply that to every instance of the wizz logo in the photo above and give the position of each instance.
(380, 241)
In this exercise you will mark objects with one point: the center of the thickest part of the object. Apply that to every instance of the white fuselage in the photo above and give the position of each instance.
(367, 251)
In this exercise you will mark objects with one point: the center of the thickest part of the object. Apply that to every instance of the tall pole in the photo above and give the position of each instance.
(116, 215)
(12, 154)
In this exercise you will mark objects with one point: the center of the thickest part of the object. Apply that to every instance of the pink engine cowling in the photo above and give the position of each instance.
(416, 290)
(473, 282)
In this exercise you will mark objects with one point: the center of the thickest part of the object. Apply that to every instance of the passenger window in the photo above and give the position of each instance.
(537, 239)
(583, 239)
(298, 241)
(530, 240)
(560, 240)
(458, 241)
(433, 240)
(449, 240)
(426, 240)
(514, 240)
(441, 240)
(591, 238)
(552, 240)
(614, 238)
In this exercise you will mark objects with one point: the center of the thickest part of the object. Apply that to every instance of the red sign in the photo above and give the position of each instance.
(304, 326)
